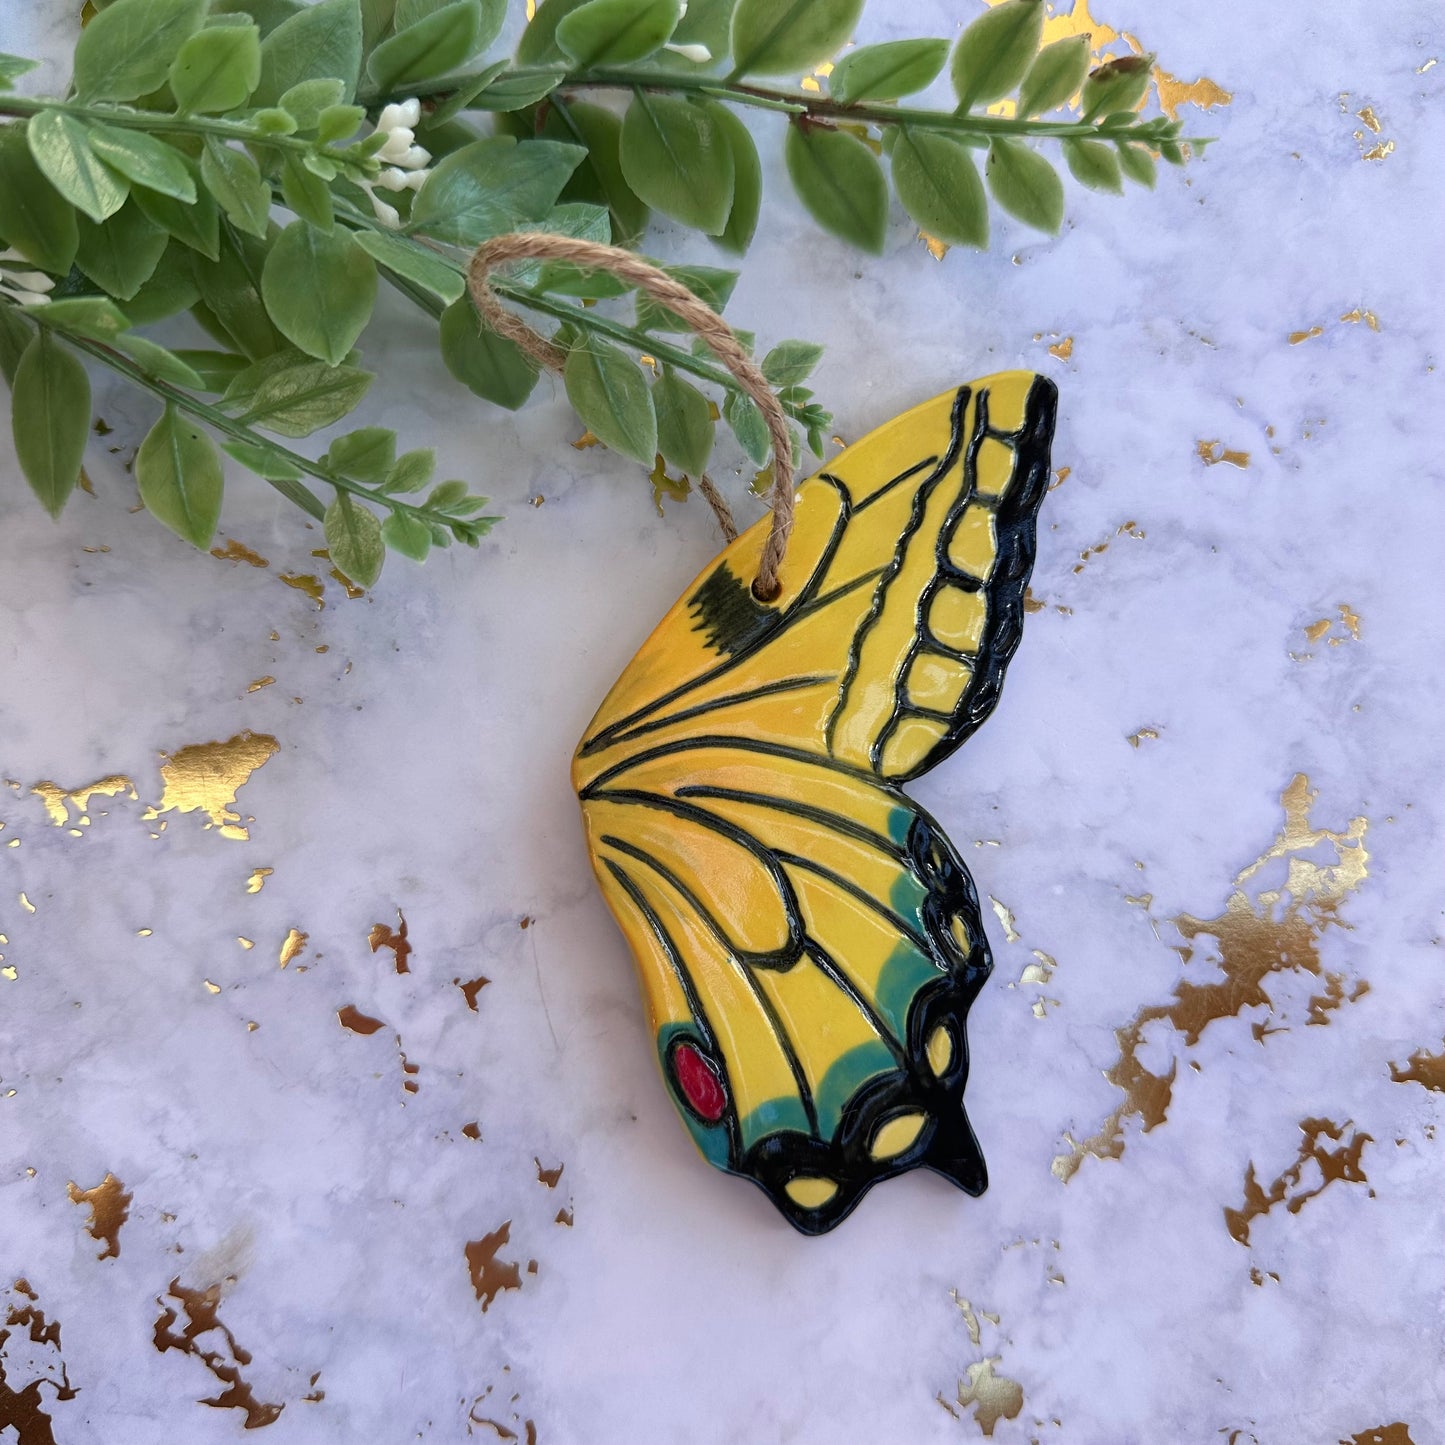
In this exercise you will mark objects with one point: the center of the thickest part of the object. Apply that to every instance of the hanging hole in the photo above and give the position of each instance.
(763, 596)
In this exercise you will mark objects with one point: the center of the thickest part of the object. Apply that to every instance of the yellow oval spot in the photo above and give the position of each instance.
(959, 929)
(940, 1050)
(810, 1191)
(956, 618)
(897, 1134)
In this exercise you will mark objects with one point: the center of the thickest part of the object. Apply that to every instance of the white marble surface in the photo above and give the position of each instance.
(422, 766)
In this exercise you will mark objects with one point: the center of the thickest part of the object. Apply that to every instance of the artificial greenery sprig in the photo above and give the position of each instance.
(262, 164)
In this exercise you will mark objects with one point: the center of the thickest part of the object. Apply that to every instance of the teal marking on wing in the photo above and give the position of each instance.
(845, 1077)
(777, 1116)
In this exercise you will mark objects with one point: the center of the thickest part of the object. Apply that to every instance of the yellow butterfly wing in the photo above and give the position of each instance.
(808, 940)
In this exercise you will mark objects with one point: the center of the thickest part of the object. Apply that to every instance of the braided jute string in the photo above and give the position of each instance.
(542, 246)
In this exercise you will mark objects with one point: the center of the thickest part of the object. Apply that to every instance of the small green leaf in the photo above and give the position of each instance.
(1136, 163)
(485, 363)
(265, 461)
(790, 362)
(217, 369)
(684, 423)
(144, 160)
(365, 455)
(96, 317)
(235, 183)
(376, 21)
(169, 289)
(607, 390)
(841, 183)
(353, 537)
(742, 415)
(322, 41)
(412, 262)
(267, 14)
(486, 188)
(516, 92)
(50, 418)
(737, 235)
(888, 71)
(1118, 85)
(538, 45)
(126, 50)
(462, 97)
(677, 160)
(12, 67)
(1057, 72)
(447, 497)
(38, 221)
(274, 121)
(61, 147)
(319, 288)
(305, 101)
(939, 187)
(300, 398)
(600, 177)
(617, 32)
(407, 534)
(783, 37)
(158, 361)
(120, 253)
(339, 122)
(217, 69)
(413, 470)
(15, 336)
(1025, 185)
(708, 23)
(306, 194)
(231, 289)
(1094, 164)
(994, 52)
(428, 47)
(708, 283)
(196, 225)
(180, 478)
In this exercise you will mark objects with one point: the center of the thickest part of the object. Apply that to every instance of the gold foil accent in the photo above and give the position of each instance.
(1376, 152)
(971, 1318)
(205, 777)
(1143, 735)
(292, 946)
(1041, 970)
(200, 1306)
(470, 988)
(1295, 337)
(1428, 65)
(1427, 1070)
(350, 587)
(936, 248)
(587, 439)
(247, 943)
(565, 1216)
(109, 1208)
(257, 880)
(550, 1177)
(10, 972)
(1370, 119)
(259, 683)
(1321, 1005)
(472, 1131)
(1212, 453)
(308, 583)
(1396, 1434)
(1258, 934)
(1315, 632)
(382, 936)
(1342, 1164)
(490, 1275)
(235, 551)
(211, 987)
(1064, 349)
(20, 1405)
(352, 1018)
(1174, 92)
(993, 1397)
(1006, 918)
(26, 904)
(1360, 314)
(58, 801)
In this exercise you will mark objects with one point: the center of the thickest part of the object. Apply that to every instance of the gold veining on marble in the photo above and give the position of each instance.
(992, 1397)
(566, 1216)
(205, 777)
(1332, 1165)
(470, 988)
(308, 583)
(109, 1208)
(1321, 1005)
(1174, 92)
(1354, 317)
(384, 936)
(258, 878)
(1062, 350)
(936, 248)
(551, 1177)
(259, 683)
(292, 946)
(1270, 931)
(472, 1131)
(1126, 529)
(1143, 735)
(1425, 1069)
(1213, 452)
(1005, 917)
(200, 1307)
(235, 551)
(21, 1404)
(58, 801)
(26, 904)
(587, 439)
(247, 943)
(1295, 337)
(211, 987)
(351, 1017)
(490, 1275)
(1395, 1434)
(1323, 629)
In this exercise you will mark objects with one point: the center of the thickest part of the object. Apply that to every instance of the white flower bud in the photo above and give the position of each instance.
(415, 180)
(697, 53)
(404, 113)
(398, 142)
(415, 158)
(388, 215)
(394, 179)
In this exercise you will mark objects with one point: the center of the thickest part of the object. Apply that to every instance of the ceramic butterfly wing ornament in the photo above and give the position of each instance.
(808, 940)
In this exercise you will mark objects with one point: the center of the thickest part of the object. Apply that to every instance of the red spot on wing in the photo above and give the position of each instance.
(698, 1082)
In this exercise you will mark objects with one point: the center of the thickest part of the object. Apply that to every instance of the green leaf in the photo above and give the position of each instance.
(169, 289)
(217, 69)
(677, 160)
(376, 21)
(841, 183)
(888, 71)
(1094, 164)
(157, 361)
(617, 32)
(126, 51)
(305, 101)
(322, 41)
(461, 98)
(50, 418)
(407, 534)
(61, 148)
(353, 536)
(306, 194)
(607, 390)
(412, 262)
(742, 415)
(994, 52)
(235, 183)
(180, 478)
(742, 221)
(447, 496)
(783, 37)
(96, 317)
(34, 217)
(231, 289)
(413, 470)
(684, 423)
(217, 369)
(516, 92)
(339, 122)
(790, 362)
(12, 67)
(1057, 72)
(939, 187)
(1025, 185)
(319, 288)
(365, 455)
(15, 336)
(486, 188)
(709, 284)
(428, 47)
(600, 177)
(267, 14)
(493, 17)
(538, 45)
(300, 398)
(1136, 163)
(264, 461)
(120, 253)
(1118, 85)
(196, 225)
(485, 363)
(144, 160)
